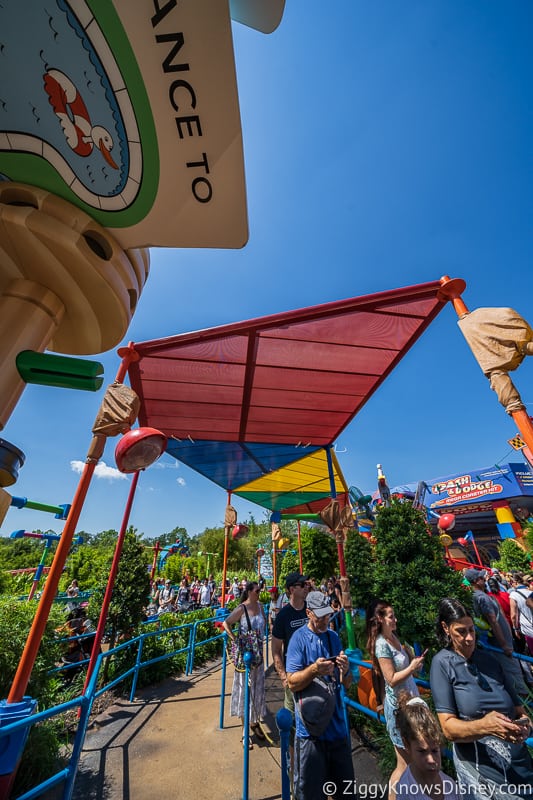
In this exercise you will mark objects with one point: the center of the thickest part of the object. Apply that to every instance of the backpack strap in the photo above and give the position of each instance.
(247, 617)
(520, 610)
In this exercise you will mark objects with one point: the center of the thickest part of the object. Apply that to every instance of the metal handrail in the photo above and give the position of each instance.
(67, 775)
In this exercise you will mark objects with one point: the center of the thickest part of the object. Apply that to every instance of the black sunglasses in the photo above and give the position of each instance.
(481, 680)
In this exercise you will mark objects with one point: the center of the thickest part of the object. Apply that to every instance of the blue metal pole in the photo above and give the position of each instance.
(331, 472)
(284, 723)
(223, 681)
(138, 661)
(246, 726)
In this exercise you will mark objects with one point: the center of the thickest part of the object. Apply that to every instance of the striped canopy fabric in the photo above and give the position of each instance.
(240, 401)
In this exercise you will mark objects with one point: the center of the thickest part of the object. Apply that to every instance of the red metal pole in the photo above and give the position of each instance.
(111, 582)
(33, 642)
(157, 550)
(477, 553)
(225, 561)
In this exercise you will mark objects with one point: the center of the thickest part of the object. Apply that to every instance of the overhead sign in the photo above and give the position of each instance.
(129, 110)
(480, 486)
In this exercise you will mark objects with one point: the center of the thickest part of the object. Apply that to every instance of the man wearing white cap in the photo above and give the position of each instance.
(322, 752)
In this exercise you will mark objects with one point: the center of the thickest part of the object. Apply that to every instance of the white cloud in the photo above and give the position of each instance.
(181, 481)
(101, 470)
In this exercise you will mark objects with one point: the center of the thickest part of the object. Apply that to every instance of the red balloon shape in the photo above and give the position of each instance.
(446, 522)
(462, 542)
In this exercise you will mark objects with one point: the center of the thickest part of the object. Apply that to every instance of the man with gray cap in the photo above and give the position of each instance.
(322, 757)
(500, 630)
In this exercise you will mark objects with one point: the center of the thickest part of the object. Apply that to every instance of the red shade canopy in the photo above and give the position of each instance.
(289, 380)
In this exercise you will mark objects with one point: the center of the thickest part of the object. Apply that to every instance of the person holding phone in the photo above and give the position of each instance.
(391, 661)
(480, 712)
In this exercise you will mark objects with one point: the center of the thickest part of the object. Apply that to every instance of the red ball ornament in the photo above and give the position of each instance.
(239, 531)
(446, 522)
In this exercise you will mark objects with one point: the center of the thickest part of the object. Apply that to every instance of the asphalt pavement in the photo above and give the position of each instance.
(169, 742)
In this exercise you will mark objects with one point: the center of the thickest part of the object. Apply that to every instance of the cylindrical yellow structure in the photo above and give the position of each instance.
(29, 317)
(65, 283)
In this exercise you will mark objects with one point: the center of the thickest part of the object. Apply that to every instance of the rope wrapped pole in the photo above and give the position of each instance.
(29, 654)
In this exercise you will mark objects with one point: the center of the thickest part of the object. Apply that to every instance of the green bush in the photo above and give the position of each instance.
(358, 558)
(15, 622)
(410, 571)
(512, 557)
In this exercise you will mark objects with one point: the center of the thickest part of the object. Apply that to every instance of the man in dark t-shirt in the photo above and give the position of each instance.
(288, 620)
(500, 631)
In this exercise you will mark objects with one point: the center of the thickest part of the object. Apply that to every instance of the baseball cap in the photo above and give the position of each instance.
(473, 575)
(318, 603)
(294, 577)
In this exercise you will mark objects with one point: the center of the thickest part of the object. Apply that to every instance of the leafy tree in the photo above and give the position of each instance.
(290, 563)
(105, 538)
(21, 553)
(174, 567)
(410, 571)
(319, 553)
(166, 539)
(130, 593)
(360, 568)
(241, 556)
(512, 557)
(528, 538)
(89, 564)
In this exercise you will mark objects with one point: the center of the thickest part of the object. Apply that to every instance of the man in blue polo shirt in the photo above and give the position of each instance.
(324, 760)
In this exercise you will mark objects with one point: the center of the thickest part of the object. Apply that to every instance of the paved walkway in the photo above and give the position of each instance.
(168, 743)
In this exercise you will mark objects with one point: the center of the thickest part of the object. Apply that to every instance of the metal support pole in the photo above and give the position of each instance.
(246, 727)
(35, 635)
(111, 582)
(300, 549)
(39, 570)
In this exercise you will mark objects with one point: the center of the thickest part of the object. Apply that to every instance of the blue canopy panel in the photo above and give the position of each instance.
(232, 464)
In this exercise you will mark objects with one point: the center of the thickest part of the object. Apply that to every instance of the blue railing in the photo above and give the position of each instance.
(420, 681)
(84, 702)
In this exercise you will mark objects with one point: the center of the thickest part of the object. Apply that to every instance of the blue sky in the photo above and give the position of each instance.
(386, 144)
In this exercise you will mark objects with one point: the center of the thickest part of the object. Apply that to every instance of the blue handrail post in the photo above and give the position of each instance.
(87, 700)
(220, 615)
(246, 729)
(12, 749)
(137, 667)
(223, 683)
(284, 723)
(192, 646)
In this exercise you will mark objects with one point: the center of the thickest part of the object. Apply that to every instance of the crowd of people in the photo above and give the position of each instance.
(479, 695)
(192, 593)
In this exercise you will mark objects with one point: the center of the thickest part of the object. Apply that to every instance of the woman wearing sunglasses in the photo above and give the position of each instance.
(251, 617)
(479, 712)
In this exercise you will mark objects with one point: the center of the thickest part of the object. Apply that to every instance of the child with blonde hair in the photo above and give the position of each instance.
(422, 739)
